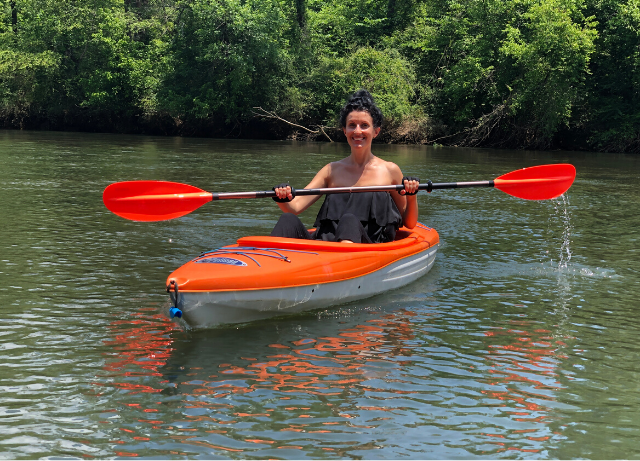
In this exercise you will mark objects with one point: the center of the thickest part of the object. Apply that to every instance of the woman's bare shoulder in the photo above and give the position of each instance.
(392, 168)
(339, 163)
(336, 167)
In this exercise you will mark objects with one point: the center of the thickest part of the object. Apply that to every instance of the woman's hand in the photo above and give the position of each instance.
(284, 193)
(411, 184)
(296, 205)
(406, 199)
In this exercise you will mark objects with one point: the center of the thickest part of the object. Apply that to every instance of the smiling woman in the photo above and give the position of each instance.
(361, 218)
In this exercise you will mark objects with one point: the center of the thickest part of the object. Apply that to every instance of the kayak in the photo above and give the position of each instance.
(261, 277)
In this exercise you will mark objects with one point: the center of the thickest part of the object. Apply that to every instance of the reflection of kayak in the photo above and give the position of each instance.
(261, 277)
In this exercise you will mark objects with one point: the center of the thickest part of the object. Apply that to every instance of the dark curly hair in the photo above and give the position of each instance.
(361, 100)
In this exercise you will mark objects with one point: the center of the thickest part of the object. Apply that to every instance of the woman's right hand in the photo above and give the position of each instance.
(284, 193)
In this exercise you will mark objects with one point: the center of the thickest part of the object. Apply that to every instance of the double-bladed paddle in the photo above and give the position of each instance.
(163, 200)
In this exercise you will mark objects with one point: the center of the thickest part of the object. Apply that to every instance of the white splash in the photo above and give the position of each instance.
(561, 206)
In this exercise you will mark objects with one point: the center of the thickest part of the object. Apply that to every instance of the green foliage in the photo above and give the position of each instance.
(228, 57)
(340, 27)
(385, 73)
(78, 55)
(507, 69)
(612, 116)
(550, 55)
(25, 81)
(517, 73)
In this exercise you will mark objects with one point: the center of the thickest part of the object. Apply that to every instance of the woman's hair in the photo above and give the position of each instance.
(361, 100)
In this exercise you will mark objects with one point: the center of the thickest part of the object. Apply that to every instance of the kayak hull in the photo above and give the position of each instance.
(241, 283)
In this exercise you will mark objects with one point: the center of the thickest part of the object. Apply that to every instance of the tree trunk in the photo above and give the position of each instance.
(301, 13)
(14, 15)
(391, 15)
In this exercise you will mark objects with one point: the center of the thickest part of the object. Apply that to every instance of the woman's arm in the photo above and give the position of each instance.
(407, 204)
(299, 204)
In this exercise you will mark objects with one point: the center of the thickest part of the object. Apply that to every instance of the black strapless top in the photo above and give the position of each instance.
(376, 211)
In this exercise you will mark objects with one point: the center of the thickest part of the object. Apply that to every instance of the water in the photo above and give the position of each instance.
(520, 343)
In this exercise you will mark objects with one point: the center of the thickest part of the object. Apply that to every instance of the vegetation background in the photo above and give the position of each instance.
(502, 73)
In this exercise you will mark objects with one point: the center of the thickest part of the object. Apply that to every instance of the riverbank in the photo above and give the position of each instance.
(419, 131)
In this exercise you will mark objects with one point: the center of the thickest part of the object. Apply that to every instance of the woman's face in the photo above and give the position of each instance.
(359, 129)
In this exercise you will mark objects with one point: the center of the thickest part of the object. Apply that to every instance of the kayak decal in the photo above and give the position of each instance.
(221, 260)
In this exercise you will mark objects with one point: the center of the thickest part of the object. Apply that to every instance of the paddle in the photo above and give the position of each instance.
(162, 200)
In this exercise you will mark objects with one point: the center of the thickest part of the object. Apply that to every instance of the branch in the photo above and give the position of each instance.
(483, 127)
(269, 114)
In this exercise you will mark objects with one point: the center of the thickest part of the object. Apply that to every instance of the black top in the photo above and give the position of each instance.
(376, 211)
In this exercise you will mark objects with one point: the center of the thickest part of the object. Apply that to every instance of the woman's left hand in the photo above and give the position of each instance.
(411, 184)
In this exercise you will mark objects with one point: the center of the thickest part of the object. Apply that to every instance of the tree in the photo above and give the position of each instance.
(227, 57)
(501, 72)
(72, 57)
(385, 73)
(611, 116)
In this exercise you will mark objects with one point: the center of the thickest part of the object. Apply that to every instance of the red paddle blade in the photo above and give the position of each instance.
(540, 182)
(153, 200)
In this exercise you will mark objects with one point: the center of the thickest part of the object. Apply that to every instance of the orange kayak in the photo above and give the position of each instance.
(261, 277)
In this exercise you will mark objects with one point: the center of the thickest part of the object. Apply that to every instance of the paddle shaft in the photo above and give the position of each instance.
(162, 200)
(428, 186)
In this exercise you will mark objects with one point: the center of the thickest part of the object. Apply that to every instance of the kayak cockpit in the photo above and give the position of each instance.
(404, 238)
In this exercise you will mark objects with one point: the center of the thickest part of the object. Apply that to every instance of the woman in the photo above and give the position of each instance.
(368, 217)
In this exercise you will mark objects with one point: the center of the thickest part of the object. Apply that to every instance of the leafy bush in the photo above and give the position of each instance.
(500, 71)
(228, 56)
(25, 81)
(611, 117)
(385, 73)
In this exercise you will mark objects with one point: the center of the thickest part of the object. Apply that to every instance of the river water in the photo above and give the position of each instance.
(522, 341)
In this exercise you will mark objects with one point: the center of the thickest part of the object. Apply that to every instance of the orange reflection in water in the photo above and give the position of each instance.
(139, 349)
(524, 362)
(141, 346)
(324, 366)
